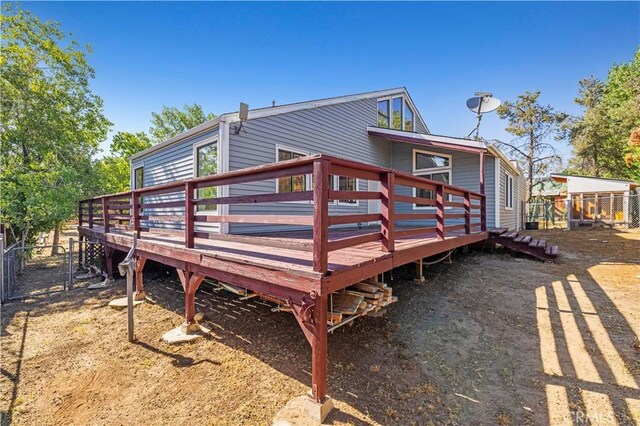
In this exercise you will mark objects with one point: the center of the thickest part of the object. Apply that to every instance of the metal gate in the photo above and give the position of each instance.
(87, 260)
(548, 214)
(34, 270)
(43, 269)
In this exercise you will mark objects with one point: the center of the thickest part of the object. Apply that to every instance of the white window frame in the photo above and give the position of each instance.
(405, 101)
(195, 147)
(430, 171)
(307, 181)
(133, 176)
(508, 191)
(336, 181)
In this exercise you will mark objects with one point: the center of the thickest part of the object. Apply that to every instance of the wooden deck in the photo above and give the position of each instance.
(283, 259)
(299, 269)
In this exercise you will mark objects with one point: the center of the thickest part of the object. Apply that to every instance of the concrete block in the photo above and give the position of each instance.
(121, 303)
(303, 411)
(109, 282)
(185, 334)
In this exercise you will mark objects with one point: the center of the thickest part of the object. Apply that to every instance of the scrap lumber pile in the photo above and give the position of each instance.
(358, 300)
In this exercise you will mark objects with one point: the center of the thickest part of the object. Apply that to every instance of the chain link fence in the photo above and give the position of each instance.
(42, 269)
(34, 270)
(617, 210)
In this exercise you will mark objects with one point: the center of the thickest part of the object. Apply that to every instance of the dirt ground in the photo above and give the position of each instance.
(490, 339)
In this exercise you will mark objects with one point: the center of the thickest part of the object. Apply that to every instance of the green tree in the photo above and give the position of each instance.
(125, 144)
(534, 125)
(112, 172)
(50, 124)
(600, 137)
(172, 121)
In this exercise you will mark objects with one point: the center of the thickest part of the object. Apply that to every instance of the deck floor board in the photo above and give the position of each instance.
(271, 253)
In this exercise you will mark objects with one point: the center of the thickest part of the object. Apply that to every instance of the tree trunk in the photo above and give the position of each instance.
(23, 241)
(56, 238)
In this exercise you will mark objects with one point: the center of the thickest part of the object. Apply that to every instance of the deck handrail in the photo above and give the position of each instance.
(129, 209)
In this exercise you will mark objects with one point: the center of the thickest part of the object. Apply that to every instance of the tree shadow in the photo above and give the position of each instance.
(592, 370)
(14, 377)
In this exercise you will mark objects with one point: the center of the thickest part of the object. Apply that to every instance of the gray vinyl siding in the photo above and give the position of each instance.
(465, 173)
(169, 165)
(420, 127)
(508, 216)
(490, 189)
(339, 130)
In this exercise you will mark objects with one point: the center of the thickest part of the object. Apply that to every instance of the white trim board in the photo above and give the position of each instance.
(497, 190)
(429, 137)
(223, 164)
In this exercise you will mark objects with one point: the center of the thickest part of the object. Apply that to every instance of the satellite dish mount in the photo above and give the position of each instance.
(481, 103)
(243, 114)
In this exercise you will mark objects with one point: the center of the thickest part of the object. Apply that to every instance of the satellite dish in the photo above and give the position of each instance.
(481, 103)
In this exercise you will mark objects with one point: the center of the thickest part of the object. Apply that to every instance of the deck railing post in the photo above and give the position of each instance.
(90, 213)
(105, 214)
(387, 224)
(135, 212)
(189, 226)
(467, 213)
(440, 211)
(80, 204)
(320, 214)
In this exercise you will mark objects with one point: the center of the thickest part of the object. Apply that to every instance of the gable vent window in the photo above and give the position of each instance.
(395, 113)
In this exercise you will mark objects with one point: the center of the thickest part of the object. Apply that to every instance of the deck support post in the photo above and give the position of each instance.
(419, 277)
(312, 318)
(190, 283)
(139, 294)
(108, 262)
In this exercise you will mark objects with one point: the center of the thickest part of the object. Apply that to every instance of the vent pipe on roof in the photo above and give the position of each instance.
(273, 103)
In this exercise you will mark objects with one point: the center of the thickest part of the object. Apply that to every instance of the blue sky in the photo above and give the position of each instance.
(217, 54)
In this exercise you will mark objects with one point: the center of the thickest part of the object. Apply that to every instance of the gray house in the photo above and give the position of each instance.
(382, 128)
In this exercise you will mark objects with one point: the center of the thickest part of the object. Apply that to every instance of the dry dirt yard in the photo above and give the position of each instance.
(490, 339)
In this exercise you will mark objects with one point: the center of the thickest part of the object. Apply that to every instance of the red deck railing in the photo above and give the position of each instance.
(123, 210)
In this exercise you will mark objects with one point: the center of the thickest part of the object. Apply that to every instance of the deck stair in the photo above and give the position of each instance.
(526, 244)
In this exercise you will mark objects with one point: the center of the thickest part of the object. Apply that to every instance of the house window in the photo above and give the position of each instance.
(138, 178)
(344, 183)
(432, 166)
(395, 113)
(206, 164)
(383, 113)
(296, 183)
(408, 118)
(508, 191)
